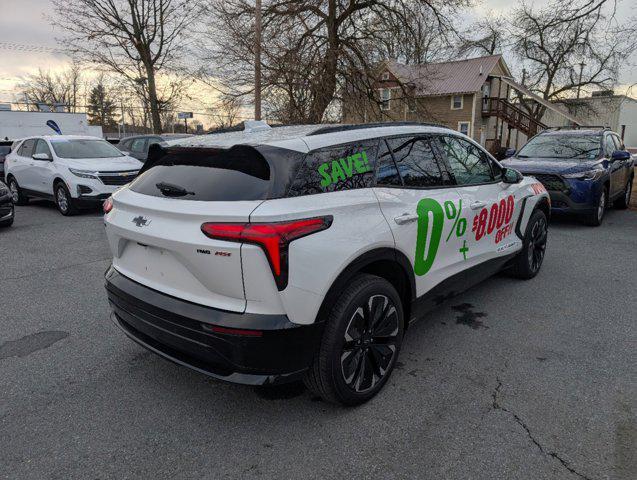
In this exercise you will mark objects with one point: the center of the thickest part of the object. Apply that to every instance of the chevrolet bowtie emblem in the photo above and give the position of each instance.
(141, 221)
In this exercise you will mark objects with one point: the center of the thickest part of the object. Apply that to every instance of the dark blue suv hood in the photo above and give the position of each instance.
(548, 165)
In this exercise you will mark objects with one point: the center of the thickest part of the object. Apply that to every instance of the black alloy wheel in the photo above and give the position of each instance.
(361, 342)
(369, 343)
(528, 261)
(537, 243)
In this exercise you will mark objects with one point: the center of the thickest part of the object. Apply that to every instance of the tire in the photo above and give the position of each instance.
(351, 365)
(19, 198)
(528, 262)
(623, 202)
(8, 223)
(63, 200)
(596, 217)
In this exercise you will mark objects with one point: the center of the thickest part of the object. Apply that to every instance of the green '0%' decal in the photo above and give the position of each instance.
(425, 259)
(334, 171)
(432, 227)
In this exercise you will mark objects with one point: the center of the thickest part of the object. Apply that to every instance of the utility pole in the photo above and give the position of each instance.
(579, 82)
(123, 132)
(257, 61)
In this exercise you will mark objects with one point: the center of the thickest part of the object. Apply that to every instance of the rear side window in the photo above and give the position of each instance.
(416, 162)
(343, 167)
(207, 174)
(386, 170)
(26, 150)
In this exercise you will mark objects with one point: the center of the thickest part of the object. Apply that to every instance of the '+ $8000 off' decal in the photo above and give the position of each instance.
(432, 216)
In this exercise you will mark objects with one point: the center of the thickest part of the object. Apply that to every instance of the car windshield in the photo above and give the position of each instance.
(562, 147)
(84, 148)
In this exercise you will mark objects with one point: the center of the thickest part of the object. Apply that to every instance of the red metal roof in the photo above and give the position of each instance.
(446, 78)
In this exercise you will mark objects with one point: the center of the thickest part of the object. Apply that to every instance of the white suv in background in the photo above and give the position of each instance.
(270, 255)
(73, 171)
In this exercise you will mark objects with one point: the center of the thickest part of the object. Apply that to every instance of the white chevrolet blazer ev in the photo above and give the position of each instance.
(73, 171)
(275, 254)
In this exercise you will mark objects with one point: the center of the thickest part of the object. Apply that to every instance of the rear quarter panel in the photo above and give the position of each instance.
(315, 261)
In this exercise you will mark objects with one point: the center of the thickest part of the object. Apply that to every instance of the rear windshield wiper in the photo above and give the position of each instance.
(172, 190)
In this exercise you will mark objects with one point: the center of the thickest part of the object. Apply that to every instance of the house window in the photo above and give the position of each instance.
(463, 127)
(457, 102)
(385, 98)
(385, 76)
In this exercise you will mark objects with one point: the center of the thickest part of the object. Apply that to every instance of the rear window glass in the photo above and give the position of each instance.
(207, 174)
(343, 167)
(4, 149)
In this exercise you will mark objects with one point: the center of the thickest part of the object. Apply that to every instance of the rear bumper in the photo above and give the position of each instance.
(276, 351)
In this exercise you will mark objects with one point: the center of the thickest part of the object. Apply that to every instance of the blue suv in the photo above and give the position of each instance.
(583, 169)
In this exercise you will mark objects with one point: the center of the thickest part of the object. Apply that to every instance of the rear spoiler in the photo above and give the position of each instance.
(155, 153)
(243, 158)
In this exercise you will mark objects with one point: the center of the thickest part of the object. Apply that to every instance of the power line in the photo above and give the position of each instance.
(136, 107)
(24, 47)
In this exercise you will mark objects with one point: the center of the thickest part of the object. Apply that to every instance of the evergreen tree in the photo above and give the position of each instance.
(101, 109)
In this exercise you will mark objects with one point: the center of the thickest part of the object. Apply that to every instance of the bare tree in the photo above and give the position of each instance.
(138, 39)
(568, 46)
(487, 36)
(416, 36)
(226, 112)
(312, 48)
(53, 90)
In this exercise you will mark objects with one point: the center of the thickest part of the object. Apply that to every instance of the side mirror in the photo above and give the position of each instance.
(620, 155)
(509, 152)
(511, 175)
(42, 156)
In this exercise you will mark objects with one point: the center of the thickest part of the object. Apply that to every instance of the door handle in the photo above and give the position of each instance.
(405, 218)
(477, 205)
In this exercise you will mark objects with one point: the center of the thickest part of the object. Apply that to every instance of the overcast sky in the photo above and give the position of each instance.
(24, 22)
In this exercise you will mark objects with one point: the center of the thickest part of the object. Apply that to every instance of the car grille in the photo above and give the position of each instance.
(117, 178)
(553, 183)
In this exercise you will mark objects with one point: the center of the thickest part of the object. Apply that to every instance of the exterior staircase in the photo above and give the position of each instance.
(514, 116)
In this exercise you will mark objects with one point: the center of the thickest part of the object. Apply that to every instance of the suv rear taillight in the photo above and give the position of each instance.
(107, 206)
(273, 238)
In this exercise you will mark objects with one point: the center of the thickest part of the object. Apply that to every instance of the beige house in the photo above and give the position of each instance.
(471, 96)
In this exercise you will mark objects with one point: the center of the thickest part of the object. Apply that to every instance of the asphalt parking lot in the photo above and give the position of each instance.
(510, 380)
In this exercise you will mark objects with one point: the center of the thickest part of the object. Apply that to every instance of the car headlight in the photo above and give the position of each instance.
(83, 173)
(593, 174)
